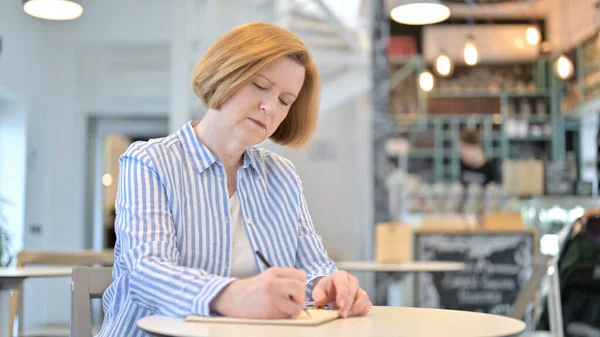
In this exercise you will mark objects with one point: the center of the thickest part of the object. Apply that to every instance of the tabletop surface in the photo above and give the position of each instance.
(413, 266)
(381, 321)
(23, 272)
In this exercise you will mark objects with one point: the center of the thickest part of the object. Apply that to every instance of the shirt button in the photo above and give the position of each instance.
(226, 219)
(249, 221)
(220, 175)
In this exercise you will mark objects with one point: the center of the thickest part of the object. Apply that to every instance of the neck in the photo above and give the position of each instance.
(223, 146)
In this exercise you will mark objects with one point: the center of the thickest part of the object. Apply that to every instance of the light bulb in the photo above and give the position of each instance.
(443, 65)
(470, 53)
(420, 12)
(53, 9)
(533, 35)
(563, 67)
(107, 179)
(426, 81)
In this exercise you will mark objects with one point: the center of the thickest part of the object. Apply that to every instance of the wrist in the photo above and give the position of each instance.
(222, 301)
(313, 285)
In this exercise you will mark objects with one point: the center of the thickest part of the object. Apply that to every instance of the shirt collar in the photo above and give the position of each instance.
(201, 157)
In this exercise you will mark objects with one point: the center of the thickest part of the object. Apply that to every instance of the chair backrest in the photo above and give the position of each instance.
(529, 291)
(24, 258)
(87, 283)
(84, 258)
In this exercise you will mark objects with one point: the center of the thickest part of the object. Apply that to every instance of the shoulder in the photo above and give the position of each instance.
(152, 151)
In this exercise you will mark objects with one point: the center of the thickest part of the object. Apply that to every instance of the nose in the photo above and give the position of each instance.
(267, 105)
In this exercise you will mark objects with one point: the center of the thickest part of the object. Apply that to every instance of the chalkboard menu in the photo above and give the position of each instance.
(497, 265)
(560, 177)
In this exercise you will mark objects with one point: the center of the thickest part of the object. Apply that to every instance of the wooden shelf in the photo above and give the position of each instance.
(476, 93)
(530, 139)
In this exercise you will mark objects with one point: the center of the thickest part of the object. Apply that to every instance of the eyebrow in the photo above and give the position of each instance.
(272, 83)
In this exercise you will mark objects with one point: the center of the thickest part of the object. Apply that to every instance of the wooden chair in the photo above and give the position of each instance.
(528, 294)
(24, 258)
(87, 283)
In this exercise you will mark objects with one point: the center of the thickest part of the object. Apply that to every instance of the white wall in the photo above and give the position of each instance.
(13, 149)
(21, 69)
(116, 60)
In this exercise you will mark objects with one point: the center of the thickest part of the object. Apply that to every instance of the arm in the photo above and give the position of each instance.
(311, 255)
(150, 256)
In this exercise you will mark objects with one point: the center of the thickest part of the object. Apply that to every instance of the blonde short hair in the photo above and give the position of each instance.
(240, 55)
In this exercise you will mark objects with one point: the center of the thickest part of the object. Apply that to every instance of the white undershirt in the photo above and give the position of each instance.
(243, 264)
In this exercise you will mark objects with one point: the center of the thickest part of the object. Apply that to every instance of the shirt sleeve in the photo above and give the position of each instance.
(150, 258)
(311, 255)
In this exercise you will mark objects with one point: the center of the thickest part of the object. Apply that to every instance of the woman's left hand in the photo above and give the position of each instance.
(341, 289)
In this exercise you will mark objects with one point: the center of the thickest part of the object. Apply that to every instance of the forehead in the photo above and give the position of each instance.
(286, 73)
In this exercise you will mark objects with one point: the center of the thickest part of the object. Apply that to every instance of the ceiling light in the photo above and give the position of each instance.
(443, 65)
(53, 9)
(419, 12)
(563, 67)
(470, 52)
(426, 81)
(533, 35)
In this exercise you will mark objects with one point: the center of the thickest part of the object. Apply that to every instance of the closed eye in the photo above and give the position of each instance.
(283, 102)
(259, 87)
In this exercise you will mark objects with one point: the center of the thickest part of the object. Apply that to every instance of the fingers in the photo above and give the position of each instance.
(286, 295)
(362, 304)
(366, 310)
(340, 281)
(346, 287)
(287, 307)
(323, 293)
(352, 293)
(291, 289)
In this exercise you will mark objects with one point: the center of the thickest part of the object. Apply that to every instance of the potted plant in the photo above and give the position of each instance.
(6, 256)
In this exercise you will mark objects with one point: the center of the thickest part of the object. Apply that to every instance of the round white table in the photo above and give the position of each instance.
(381, 321)
(12, 278)
(404, 267)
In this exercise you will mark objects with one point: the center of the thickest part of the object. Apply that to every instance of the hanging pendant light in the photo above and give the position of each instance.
(419, 12)
(443, 65)
(470, 52)
(53, 9)
(563, 67)
(426, 81)
(533, 35)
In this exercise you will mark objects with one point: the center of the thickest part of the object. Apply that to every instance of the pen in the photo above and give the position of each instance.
(268, 265)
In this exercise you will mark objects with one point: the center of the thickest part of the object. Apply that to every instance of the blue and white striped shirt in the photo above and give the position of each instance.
(173, 249)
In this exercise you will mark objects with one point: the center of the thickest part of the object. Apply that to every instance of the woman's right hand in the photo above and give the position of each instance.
(276, 293)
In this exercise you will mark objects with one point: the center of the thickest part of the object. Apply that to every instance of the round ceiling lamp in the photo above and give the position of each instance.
(420, 12)
(53, 9)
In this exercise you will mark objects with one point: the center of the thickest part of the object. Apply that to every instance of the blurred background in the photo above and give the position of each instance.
(397, 95)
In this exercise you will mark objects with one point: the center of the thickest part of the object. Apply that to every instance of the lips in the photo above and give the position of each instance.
(258, 123)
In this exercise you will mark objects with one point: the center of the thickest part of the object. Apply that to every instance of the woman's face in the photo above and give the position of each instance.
(254, 112)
